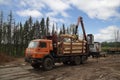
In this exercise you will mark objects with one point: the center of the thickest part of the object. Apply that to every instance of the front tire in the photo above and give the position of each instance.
(48, 64)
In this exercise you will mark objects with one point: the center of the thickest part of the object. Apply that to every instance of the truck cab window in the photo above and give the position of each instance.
(33, 44)
(43, 45)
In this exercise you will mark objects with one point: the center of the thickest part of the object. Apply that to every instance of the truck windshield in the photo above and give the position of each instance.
(33, 44)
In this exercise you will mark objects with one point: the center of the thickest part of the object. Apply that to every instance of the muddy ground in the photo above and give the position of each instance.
(107, 68)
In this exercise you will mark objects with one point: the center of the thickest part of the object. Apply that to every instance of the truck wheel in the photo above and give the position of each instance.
(83, 59)
(48, 64)
(35, 66)
(77, 60)
(66, 62)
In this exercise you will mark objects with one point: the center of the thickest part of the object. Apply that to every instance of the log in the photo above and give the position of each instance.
(74, 44)
(68, 46)
(68, 52)
(81, 41)
(68, 36)
(77, 45)
(74, 48)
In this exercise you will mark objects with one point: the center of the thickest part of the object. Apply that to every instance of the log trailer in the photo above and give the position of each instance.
(68, 49)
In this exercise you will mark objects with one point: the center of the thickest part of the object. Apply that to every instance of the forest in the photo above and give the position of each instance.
(15, 36)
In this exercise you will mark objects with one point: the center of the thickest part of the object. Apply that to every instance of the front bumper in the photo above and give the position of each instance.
(33, 60)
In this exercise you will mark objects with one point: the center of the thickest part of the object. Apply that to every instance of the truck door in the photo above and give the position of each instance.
(43, 47)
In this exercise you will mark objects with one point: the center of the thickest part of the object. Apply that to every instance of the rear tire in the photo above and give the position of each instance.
(77, 60)
(48, 64)
(83, 59)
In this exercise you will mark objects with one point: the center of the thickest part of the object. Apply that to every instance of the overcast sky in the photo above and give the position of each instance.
(101, 17)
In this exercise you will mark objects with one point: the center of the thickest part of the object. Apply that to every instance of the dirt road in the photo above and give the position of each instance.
(107, 68)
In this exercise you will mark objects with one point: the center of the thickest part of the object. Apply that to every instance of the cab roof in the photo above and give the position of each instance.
(45, 40)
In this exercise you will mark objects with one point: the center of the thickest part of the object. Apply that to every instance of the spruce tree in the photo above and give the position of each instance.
(1, 25)
(63, 29)
(53, 29)
(42, 24)
(47, 26)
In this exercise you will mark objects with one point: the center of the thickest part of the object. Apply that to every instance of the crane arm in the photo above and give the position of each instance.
(76, 28)
(82, 25)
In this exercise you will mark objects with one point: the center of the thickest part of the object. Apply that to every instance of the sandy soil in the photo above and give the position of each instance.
(104, 68)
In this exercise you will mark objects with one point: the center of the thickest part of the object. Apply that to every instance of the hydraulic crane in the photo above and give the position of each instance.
(82, 25)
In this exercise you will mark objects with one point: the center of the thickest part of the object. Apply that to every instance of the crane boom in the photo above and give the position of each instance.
(80, 20)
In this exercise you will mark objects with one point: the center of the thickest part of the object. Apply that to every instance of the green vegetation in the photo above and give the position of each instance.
(14, 37)
(111, 47)
(110, 44)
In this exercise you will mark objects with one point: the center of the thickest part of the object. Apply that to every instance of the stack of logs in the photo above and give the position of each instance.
(76, 46)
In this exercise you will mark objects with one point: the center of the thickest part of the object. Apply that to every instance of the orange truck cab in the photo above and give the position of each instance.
(37, 50)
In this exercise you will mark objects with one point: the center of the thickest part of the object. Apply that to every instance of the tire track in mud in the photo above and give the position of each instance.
(18, 73)
(10, 70)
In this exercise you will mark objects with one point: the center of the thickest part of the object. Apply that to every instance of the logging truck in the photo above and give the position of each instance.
(66, 48)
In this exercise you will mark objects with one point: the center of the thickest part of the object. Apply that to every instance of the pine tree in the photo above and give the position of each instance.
(68, 30)
(21, 37)
(47, 26)
(4, 37)
(30, 21)
(10, 18)
(61, 32)
(15, 39)
(1, 25)
(37, 31)
(9, 32)
(26, 33)
(30, 24)
(63, 29)
(21, 33)
(53, 29)
(42, 24)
